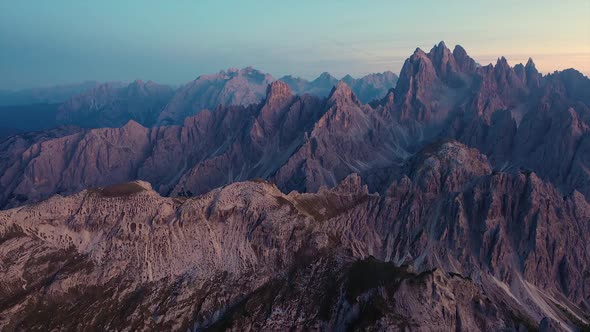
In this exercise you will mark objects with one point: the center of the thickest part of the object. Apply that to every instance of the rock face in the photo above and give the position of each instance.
(460, 199)
(348, 137)
(451, 244)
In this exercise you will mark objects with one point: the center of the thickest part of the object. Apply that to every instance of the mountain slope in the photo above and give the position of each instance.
(451, 242)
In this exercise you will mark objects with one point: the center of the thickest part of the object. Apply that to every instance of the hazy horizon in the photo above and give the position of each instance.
(66, 42)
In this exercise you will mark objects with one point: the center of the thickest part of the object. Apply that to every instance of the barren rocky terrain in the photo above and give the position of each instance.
(459, 201)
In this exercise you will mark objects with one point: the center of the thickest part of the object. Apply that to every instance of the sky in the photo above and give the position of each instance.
(43, 43)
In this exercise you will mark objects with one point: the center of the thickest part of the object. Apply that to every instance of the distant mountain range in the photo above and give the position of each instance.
(35, 109)
(458, 200)
(110, 105)
(47, 95)
(368, 88)
(96, 105)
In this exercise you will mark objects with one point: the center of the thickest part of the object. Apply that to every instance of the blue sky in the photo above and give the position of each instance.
(56, 42)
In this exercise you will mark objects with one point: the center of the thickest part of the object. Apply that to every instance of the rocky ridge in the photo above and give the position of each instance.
(481, 246)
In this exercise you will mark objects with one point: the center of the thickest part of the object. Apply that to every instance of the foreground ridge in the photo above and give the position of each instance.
(451, 242)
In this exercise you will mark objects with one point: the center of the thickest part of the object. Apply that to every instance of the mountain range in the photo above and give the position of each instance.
(112, 104)
(46, 95)
(456, 199)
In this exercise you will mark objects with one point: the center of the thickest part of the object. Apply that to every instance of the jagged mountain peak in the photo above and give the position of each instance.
(442, 45)
(530, 64)
(465, 63)
(459, 50)
(325, 77)
(418, 54)
(278, 89)
(443, 60)
(502, 62)
(342, 94)
(440, 48)
(416, 83)
(278, 95)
